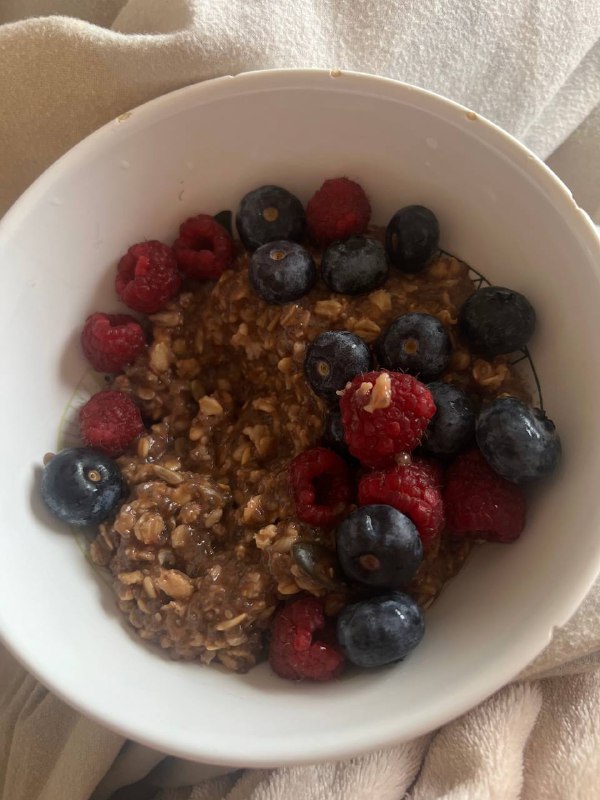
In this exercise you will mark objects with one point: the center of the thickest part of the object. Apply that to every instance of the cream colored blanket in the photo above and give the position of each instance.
(533, 66)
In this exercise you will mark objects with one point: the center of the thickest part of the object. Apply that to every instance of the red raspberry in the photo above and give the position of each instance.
(110, 421)
(414, 491)
(204, 248)
(384, 414)
(339, 209)
(481, 504)
(111, 341)
(434, 468)
(147, 277)
(294, 652)
(320, 482)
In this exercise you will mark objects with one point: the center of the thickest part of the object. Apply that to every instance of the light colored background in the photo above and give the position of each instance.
(532, 66)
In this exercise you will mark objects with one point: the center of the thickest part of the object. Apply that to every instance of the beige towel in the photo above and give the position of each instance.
(533, 66)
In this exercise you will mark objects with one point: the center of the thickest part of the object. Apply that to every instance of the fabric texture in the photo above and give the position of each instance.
(533, 67)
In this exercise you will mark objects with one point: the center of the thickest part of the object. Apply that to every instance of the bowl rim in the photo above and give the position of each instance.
(508, 664)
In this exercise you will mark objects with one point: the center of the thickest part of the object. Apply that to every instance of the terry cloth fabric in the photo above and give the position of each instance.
(532, 66)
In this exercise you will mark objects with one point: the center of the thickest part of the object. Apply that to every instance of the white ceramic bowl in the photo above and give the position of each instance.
(201, 149)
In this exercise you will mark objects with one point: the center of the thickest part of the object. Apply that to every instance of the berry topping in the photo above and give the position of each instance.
(110, 421)
(481, 504)
(413, 490)
(384, 414)
(412, 238)
(204, 248)
(339, 209)
(295, 652)
(82, 486)
(452, 427)
(519, 442)
(379, 546)
(354, 266)
(321, 489)
(332, 359)
(281, 272)
(269, 214)
(433, 467)
(111, 341)
(415, 343)
(318, 562)
(381, 630)
(147, 277)
(495, 321)
(333, 432)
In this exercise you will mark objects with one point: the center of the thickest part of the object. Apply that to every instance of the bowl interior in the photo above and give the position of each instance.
(199, 150)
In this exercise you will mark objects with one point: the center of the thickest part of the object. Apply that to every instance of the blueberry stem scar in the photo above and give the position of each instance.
(369, 562)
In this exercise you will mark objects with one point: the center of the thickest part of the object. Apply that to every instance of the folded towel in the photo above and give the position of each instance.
(531, 66)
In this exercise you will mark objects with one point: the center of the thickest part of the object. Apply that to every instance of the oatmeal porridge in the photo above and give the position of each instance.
(208, 543)
(210, 524)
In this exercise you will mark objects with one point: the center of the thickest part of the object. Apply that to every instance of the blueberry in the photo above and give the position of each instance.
(519, 442)
(415, 343)
(453, 425)
(379, 546)
(333, 359)
(354, 266)
(380, 630)
(281, 272)
(495, 321)
(270, 213)
(82, 486)
(412, 238)
(333, 433)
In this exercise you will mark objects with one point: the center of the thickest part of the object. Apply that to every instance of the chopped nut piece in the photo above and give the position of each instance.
(149, 528)
(330, 309)
(160, 358)
(130, 578)
(175, 583)
(210, 406)
(382, 299)
(381, 396)
(230, 623)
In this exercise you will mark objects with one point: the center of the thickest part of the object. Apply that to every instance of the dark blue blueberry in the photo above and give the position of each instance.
(412, 238)
(379, 546)
(281, 272)
(333, 434)
(268, 214)
(82, 486)
(333, 359)
(380, 630)
(519, 442)
(354, 266)
(453, 425)
(495, 321)
(415, 343)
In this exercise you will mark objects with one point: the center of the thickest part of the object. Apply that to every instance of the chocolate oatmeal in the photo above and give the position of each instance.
(201, 549)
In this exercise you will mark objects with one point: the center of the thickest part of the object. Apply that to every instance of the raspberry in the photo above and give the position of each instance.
(384, 414)
(480, 503)
(339, 209)
(435, 470)
(204, 248)
(413, 490)
(147, 277)
(111, 341)
(110, 421)
(294, 652)
(320, 482)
